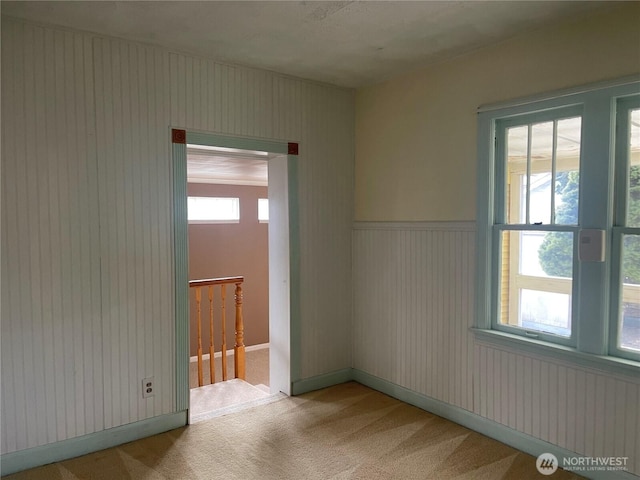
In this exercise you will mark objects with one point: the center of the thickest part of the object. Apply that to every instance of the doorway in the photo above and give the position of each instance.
(282, 245)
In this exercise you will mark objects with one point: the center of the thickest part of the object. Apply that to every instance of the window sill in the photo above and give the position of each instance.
(213, 222)
(552, 351)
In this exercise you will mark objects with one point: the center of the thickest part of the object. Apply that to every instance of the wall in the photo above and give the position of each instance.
(416, 135)
(87, 246)
(226, 250)
(414, 281)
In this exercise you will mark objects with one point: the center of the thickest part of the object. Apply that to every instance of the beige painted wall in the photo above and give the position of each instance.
(416, 135)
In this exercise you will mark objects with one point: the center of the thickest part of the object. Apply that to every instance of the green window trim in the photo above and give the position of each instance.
(620, 229)
(594, 315)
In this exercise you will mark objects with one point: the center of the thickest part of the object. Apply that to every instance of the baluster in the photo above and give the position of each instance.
(211, 350)
(198, 310)
(238, 349)
(223, 293)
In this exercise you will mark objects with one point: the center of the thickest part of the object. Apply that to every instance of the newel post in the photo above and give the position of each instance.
(238, 349)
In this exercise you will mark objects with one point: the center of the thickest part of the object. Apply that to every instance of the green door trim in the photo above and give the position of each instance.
(180, 139)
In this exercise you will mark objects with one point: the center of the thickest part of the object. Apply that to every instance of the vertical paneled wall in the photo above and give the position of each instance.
(87, 242)
(413, 298)
(585, 411)
(413, 306)
(135, 185)
(232, 100)
(52, 370)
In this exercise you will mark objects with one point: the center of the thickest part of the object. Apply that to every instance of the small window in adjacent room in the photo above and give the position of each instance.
(213, 209)
(263, 210)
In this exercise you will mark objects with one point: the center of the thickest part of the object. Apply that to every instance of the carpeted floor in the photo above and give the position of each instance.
(344, 432)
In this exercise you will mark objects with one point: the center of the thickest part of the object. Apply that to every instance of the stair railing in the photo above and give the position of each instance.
(238, 349)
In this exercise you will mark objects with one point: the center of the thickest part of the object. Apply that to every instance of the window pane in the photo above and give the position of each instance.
(630, 311)
(263, 209)
(541, 163)
(213, 209)
(633, 193)
(546, 312)
(567, 185)
(555, 254)
(517, 148)
(543, 177)
(536, 280)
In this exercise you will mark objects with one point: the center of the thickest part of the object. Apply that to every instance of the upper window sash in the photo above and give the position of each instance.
(505, 169)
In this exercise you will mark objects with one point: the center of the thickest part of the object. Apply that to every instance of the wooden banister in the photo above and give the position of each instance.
(223, 295)
(239, 348)
(212, 370)
(215, 281)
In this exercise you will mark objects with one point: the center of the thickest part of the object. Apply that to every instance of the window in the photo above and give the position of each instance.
(263, 210)
(541, 155)
(559, 220)
(213, 209)
(625, 313)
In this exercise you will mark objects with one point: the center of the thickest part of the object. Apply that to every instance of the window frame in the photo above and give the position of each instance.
(214, 221)
(263, 220)
(591, 315)
(500, 222)
(623, 106)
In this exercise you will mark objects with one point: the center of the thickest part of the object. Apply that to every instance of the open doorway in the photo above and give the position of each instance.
(239, 175)
(228, 238)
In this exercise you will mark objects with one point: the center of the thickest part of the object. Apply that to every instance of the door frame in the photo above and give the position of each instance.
(286, 327)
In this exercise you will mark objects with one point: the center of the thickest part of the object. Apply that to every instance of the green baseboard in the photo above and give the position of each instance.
(33, 457)
(77, 446)
(322, 381)
(521, 441)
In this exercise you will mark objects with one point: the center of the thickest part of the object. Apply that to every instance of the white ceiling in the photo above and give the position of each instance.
(349, 44)
(226, 166)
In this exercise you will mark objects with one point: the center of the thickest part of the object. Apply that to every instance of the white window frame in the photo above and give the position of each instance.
(590, 343)
(262, 200)
(230, 219)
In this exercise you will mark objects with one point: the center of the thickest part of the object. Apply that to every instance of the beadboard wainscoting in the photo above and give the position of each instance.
(413, 309)
(87, 224)
(413, 301)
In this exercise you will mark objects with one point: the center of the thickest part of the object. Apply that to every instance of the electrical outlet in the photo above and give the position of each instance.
(148, 387)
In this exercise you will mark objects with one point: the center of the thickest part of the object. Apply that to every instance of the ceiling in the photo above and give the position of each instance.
(349, 44)
(226, 166)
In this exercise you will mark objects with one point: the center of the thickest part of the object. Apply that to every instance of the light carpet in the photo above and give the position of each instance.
(344, 432)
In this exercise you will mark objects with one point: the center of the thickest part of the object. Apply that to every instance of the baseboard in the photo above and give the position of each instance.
(250, 348)
(75, 447)
(521, 441)
(321, 381)
(34, 457)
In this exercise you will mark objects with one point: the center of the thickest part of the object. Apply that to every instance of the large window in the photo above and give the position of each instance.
(625, 315)
(541, 158)
(559, 220)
